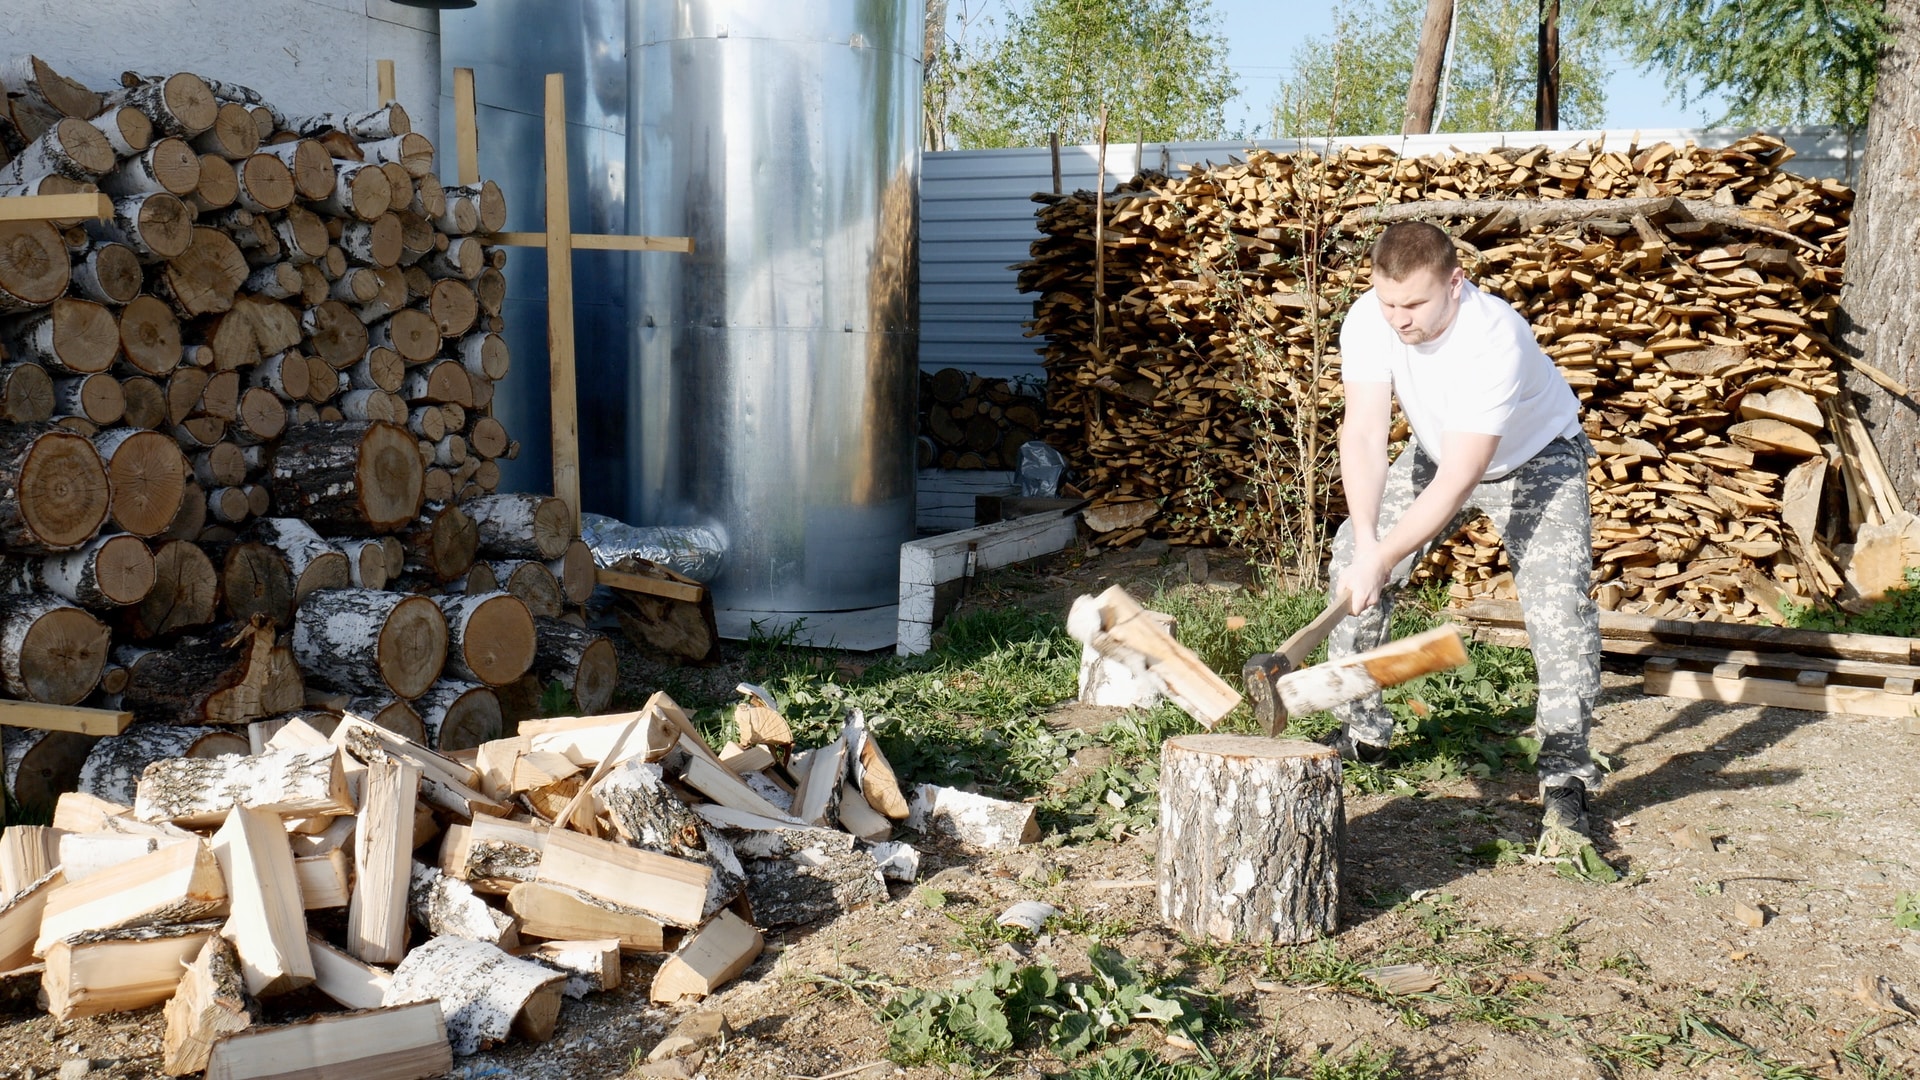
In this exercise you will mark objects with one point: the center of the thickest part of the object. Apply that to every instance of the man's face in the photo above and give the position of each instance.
(1422, 306)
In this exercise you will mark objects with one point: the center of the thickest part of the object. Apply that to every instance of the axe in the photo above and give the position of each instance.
(1279, 688)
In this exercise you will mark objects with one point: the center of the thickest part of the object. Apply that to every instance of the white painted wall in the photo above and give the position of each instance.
(305, 56)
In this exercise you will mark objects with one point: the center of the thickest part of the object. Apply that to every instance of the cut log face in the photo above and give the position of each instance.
(148, 478)
(185, 591)
(110, 571)
(150, 335)
(354, 638)
(491, 637)
(204, 279)
(26, 393)
(33, 265)
(441, 542)
(484, 994)
(50, 651)
(72, 337)
(1225, 872)
(108, 273)
(581, 660)
(54, 492)
(459, 715)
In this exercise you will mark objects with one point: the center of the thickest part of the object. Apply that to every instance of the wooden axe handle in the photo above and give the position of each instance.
(1336, 682)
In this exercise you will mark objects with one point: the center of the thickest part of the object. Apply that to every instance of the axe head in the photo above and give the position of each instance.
(1277, 691)
(1261, 676)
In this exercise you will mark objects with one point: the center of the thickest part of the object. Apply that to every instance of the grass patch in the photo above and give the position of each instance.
(1898, 615)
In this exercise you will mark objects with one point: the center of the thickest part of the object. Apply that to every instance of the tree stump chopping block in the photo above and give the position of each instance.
(1251, 832)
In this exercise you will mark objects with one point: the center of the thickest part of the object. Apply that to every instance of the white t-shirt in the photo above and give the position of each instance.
(1484, 376)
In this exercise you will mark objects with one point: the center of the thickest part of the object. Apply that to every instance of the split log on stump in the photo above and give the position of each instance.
(72, 337)
(448, 906)
(203, 279)
(441, 541)
(522, 526)
(708, 959)
(178, 883)
(54, 493)
(558, 912)
(147, 477)
(792, 892)
(107, 272)
(580, 660)
(33, 265)
(267, 923)
(50, 650)
(1252, 831)
(201, 681)
(405, 1043)
(198, 792)
(459, 715)
(112, 768)
(43, 765)
(484, 994)
(358, 638)
(185, 594)
(120, 970)
(210, 1004)
(26, 394)
(150, 336)
(352, 478)
(108, 572)
(491, 637)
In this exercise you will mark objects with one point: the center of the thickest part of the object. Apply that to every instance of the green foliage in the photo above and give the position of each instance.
(1011, 1003)
(1159, 67)
(1773, 61)
(1906, 910)
(1354, 81)
(1897, 615)
(556, 699)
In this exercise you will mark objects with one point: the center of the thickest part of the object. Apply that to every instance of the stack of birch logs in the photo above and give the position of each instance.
(493, 881)
(970, 422)
(250, 457)
(1684, 292)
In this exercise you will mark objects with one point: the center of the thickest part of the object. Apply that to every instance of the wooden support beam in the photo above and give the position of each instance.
(55, 207)
(678, 245)
(74, 718)
(384, 80)
(466, 128)
(564, 395)
(640, 583)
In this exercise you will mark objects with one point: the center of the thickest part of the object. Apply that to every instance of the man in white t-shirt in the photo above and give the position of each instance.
(1495, 429)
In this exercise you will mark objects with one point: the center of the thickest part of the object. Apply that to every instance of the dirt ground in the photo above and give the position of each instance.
(1812, 821)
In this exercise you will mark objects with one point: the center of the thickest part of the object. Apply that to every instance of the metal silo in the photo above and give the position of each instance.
(773, 387)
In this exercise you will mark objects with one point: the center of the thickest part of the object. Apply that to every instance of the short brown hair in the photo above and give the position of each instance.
(1407, 246)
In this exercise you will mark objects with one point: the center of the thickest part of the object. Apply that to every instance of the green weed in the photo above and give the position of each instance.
(1906, 910)
(1897, 615)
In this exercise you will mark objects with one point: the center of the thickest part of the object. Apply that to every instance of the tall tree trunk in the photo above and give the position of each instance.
(1546, 101)
(1424, 92)
(1877, 320)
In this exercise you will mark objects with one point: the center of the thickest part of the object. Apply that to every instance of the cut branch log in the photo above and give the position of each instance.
(354, 638)
(50, 651)
(349, 478)
(491, 637)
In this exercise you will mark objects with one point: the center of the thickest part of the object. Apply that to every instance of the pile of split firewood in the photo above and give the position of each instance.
(1683, 290)
(350, 858)
(250, 456)
(970, 422)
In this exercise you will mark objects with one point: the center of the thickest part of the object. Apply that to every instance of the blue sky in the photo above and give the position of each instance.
(1264, 33)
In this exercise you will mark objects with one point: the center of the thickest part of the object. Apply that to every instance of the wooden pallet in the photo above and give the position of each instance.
(1774, 681)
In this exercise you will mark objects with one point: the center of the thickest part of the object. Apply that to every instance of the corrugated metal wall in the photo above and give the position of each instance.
(976, 219)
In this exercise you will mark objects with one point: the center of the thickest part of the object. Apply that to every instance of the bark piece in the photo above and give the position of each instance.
(210, 1003)
(54, 493)
(448, 906)
(971, 818)
(120, 970)
(193, 792)
(353, 638)
(811, 885)
(710, 958)
(483, 993)
(50, 651)
(348, 478)
(179, 883)
(1252, 832)
(404, 1043)
(267, 924)
(112, 770)
(491, 637)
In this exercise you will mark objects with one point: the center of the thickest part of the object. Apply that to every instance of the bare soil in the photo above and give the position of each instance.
(1812, 822)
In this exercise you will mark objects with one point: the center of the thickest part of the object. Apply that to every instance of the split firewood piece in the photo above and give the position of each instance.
(350, 478)
(345, 979)
(210, 1004)
(122, 969)
(285, 783)
(708, 959)
(267, 924)
(147, 475)
(869, 767)
(199, 681)
(817, 775)
(50, 650)
(1115, 625)
(20, 916)
(42, 95)
(323, 879)
(1774, 436)
(35, 271)
(858, 816)
(537, 769)
(747, 759)
(491, 637)
(580, 660)
(495, 760)
(670, 889)
(79, 812)
(440, 542)
(651, 817)
(448, 906)
(404, 1043)
(27, 854)
(590, 966)
(459, 715)
(186, 587)
(353, 638)
(112, 770)
(205, 278)
(719, 783)
(522, 526)
(493, 854)
(178, 883)
(444, 783)
(83, 855)
(484, 993)
(558, 912)
(60, 492)
(974, 819)
(383, 863)
(588, 741)
(811, 885)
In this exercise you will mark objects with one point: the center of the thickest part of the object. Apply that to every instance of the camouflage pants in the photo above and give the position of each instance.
(1540, 511)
